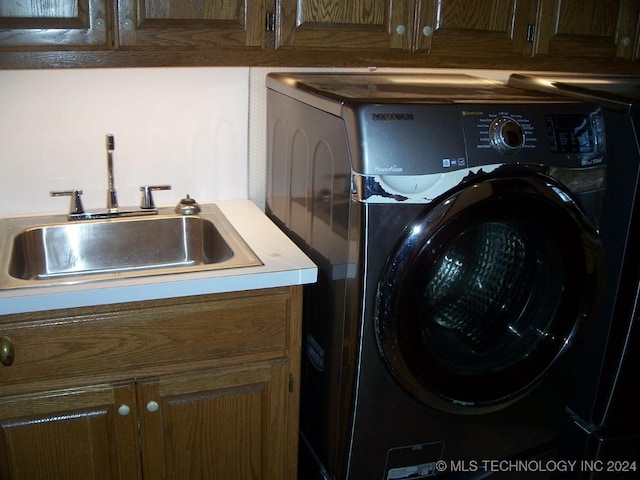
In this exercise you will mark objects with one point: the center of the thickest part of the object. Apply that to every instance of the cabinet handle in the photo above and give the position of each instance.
(7, 354)
(124, 409)
(531, 32)
(153, 406)
(270, 22)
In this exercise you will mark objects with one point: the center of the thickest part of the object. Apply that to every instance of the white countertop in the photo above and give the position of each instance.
(284, 264)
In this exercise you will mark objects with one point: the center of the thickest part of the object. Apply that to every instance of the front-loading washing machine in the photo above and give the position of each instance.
(454, 222)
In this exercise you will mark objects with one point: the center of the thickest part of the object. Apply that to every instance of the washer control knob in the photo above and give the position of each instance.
(506, 135)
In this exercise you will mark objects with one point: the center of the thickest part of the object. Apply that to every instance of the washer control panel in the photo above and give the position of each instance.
(565, 134)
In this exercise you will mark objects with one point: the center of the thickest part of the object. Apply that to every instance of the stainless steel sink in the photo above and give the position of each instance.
(49, 250)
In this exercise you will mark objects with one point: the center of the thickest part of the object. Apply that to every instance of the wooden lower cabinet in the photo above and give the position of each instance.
(69, 434)
(230, 416)
(226, 424)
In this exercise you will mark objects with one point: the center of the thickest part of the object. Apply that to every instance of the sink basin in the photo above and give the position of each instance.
(41, 250)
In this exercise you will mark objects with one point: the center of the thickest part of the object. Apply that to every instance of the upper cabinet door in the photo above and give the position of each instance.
(587, 28)
(55, 24)
(487, 28)
(340, 24)
(190, 23)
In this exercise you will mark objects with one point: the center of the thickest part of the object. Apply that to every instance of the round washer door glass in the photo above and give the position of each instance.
(486, 292)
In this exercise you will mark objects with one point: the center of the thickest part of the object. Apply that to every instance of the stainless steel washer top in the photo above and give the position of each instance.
(400, 88)
(615, 92)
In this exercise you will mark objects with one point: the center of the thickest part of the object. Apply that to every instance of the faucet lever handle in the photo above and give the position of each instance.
(76, 203)
(146, 202)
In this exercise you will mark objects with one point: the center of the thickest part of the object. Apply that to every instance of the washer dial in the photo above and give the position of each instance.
(506, 135)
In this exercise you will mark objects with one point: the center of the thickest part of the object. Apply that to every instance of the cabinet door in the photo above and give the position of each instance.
(339, 24)
(191, 23)
(79, 434)
(55, 24)
(587, 28)
(486, 28)
(230, 423)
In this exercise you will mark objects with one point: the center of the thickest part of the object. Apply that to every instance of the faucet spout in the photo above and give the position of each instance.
(112, 197)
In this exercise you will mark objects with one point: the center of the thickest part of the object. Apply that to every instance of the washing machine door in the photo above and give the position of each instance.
(486, 292)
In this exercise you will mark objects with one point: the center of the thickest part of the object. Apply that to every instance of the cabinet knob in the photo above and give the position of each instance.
(401, 29)
(626, 41)
(427, 31)
(127, 24)
(7, 354)
(152, 406)
(100, 24)
(124, 409)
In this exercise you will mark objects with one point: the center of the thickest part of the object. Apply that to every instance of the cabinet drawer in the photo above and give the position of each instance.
(85, 343)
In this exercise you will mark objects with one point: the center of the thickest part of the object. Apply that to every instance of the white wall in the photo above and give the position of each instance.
(187, 127)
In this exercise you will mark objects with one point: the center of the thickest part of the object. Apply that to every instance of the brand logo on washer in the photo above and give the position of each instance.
(391, 169)
(387, 117)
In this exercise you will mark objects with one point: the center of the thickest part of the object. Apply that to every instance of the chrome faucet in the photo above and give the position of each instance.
(112, 197)
(147, 205)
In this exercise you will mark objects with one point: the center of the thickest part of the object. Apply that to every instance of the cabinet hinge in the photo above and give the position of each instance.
(291, 383)
(531, 32)
(270, 22)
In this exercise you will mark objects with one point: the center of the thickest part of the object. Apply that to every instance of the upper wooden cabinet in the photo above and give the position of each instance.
(489, 28)
(54, 24)
(190, 23)
(464, 32)
(587, 28)
(447, 27)
(336, 24)
(571, 35)
(79, 24)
